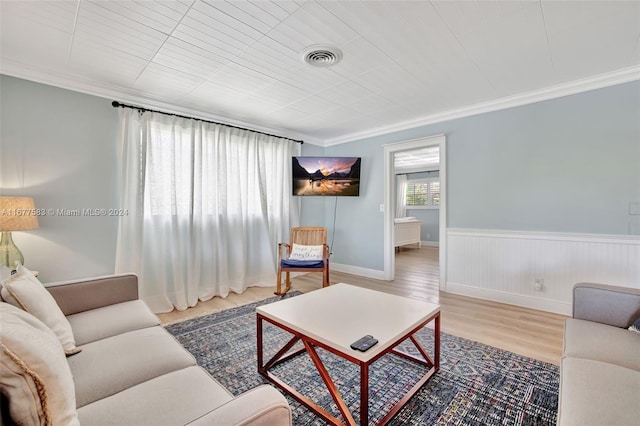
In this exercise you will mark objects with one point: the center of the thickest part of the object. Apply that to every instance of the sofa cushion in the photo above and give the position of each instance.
(175, 398)
(25, 291)
(260, 406)
(606, 304)
(596, 393)
(81, 295)
(599, 342)
(110, 365)
(111, 320)
(34, 374)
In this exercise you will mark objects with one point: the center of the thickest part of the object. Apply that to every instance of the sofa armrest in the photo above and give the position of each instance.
(262, 406)
(606, 304)
(85, 294)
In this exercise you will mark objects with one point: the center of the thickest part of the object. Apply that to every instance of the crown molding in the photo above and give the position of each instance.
(621, 76)
(94, 88)
(132, 96)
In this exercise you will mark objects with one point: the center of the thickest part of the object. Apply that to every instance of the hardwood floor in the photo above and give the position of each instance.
(528, 332)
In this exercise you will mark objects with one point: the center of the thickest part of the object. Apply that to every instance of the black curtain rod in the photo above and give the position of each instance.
(117, 104)
(413, 173)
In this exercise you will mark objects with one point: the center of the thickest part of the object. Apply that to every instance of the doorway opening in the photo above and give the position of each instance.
(404, 151)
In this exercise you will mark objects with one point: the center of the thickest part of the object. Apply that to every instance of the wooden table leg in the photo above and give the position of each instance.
(364, 393)
(259, 343)
(331, 387)
(436, 344)
(432, 364)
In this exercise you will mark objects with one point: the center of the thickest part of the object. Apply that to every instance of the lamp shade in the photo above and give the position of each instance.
(17, 214)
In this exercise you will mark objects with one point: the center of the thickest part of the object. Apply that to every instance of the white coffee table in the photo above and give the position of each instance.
(336, 316)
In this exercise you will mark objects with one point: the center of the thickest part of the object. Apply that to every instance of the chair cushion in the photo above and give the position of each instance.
(110, 365)
(34, 374)
(27, 293)
(291, 263)
(111, 320)
(175, 398)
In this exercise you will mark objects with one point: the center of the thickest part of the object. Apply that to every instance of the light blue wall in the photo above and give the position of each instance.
(312, 209)
(354, 223)
(430, 218)
(565, 165)
(59, 147)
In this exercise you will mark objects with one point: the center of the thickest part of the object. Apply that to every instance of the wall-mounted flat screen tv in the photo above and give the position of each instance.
(333, 176)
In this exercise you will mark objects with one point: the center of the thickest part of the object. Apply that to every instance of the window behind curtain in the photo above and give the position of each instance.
(189, 170)
(207, 206)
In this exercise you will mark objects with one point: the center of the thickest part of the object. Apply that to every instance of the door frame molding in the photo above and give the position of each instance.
(390, 195)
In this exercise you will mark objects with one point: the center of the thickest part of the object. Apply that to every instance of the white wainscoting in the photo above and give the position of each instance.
(504, 265)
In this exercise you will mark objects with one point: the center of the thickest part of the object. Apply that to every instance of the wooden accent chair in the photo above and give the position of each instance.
(304, 236)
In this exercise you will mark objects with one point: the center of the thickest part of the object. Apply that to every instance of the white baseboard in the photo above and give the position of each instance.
(430, 243)
(540, 304)
(356, 270)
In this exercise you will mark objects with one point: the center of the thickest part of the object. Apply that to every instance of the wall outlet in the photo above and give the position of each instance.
(428, 236)
(539, 284)
(382, 207)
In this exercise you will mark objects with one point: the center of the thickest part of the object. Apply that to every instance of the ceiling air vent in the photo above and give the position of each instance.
(321, 55)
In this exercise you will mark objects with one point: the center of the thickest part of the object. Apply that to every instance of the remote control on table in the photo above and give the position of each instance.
(363, 344)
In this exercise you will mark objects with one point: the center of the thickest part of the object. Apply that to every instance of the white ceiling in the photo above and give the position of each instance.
(405, 63)
(417, 160)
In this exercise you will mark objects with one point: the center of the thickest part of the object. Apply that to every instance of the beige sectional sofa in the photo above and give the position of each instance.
(131, 371)
(600, 367)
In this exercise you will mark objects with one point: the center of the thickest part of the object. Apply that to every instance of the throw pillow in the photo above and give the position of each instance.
(302, 252)
(635, 326)
(34, 374)
(24, 291)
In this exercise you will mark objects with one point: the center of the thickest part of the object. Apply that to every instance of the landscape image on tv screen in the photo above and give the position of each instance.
(337, 176)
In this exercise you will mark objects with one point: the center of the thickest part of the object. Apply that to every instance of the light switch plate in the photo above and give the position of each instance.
(634, 207)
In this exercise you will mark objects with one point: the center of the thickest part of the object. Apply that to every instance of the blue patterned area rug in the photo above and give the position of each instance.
(476, 384)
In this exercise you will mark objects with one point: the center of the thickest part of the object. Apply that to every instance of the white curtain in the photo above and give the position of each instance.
(205, 207)
(401, 195)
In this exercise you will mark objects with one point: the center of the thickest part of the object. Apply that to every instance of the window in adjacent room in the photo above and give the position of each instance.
(423, 193)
